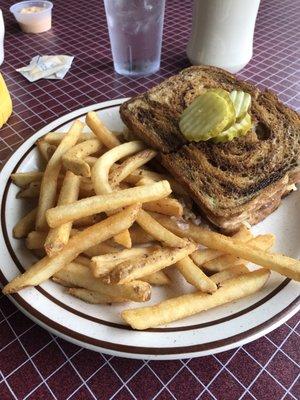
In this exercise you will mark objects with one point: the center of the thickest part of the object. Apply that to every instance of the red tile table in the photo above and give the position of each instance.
(37, 365)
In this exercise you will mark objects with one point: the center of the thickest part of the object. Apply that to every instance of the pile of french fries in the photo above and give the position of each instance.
(106, 227)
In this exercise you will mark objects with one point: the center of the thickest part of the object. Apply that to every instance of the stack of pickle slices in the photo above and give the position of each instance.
(217, 115)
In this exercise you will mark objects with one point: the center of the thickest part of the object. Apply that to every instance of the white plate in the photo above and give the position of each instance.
(100, 327)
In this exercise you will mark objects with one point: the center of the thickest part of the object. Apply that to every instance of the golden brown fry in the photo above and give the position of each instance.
(195, 276)
(139, 236)
(263, 242)
(25, 225)
(92, 297)
(101, 132)
(145, 265)
(229, 273)
(130, 165)
(58, 237)
(124, 239)
(31, 192)
(167, 206)
(90, 160)
(49, 181)
(104, 264)
(190, 304)
(79, 275)
(107, 202)
(23, 179)
(91, 236)
(158, 278)
(87, 221)
(74, 159)
(56, 137)
(282, 264)
(158, 232)
(45, 149)
(35, 240)
(100, 249)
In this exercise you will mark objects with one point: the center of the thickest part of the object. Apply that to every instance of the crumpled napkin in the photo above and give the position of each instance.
(49, 67)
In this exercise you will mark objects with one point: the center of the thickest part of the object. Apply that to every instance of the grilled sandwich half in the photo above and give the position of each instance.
(239, 181)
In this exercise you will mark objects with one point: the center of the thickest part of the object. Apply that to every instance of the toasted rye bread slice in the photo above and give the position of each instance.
(238, 181)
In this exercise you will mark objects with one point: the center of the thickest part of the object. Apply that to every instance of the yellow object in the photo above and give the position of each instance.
(5, 102)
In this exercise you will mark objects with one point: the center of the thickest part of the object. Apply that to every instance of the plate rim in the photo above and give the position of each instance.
(124, 350)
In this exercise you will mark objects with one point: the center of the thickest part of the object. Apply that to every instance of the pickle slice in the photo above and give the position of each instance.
(241, 101)
(236, 130)
(226, 96)
(207, 116)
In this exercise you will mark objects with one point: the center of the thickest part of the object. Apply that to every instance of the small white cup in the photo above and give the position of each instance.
(33, 22)
(222, 33)
(2, 31)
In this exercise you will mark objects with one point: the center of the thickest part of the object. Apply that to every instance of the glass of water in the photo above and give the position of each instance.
(135, 31)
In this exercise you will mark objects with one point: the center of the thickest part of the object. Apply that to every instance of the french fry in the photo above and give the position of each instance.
(90, 160)
(189, 304)
(81, 276)
(49, 181)
(158, 232)
(91, 236)
(107, 202)
(145, 265)
(58, 237)
(31, 192)
(124, 239)
(35, 240)
(23, 179)
(100, 249)
(139, 236)
(100, 170)
(167, 206)
(104, 264)
(195, 276)
(87, 221)
(200, 257)
(229, 273)
(101, 132)
(130, 165)
(83, 260)
(55, 138)
(92, 297)
(45, 149)
(282, 264)
(74, 159)
(158, 278)
(25, 225)
(263, 242)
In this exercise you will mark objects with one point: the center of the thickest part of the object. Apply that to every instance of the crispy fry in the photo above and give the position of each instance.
(23, 179)
(167, 206)
(124, 239)
(282, 264)
(263, 242)
(35, 240)
(158, 278)
(45, 149)
(104, 264)
(87, 221)
(100, 170)
(91, 236)
(81, 276)
(83, 260)
(31, 192)
(107, 202)
(101, 132)
(56, 137)
(145, 265)
(130, 165)
(139, 236)
(202, 256)
(74, 159)
(190, 304)
(99, 249)
(25, 225)
(92, 297)
(229, 273)
(58, 237)
(195, 276)
(158, 232)
(49, 181)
